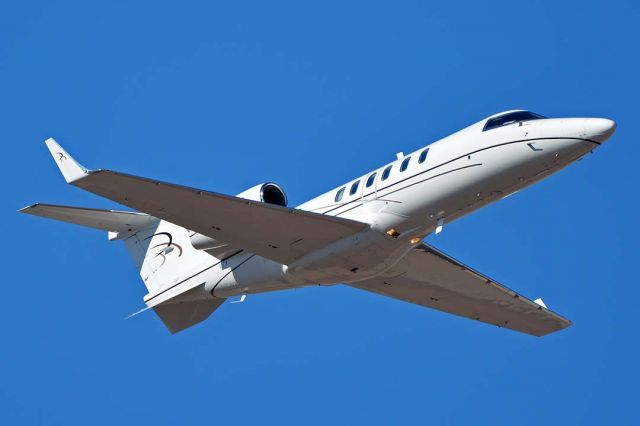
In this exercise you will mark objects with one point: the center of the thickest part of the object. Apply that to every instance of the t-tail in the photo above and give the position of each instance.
(173, 271)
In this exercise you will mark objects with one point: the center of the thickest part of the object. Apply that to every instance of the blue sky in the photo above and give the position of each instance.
(223, 98)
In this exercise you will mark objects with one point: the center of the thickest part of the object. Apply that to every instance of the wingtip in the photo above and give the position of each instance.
(71, 170)
(27, 208)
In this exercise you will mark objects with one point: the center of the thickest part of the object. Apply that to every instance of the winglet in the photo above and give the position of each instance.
(71, 170)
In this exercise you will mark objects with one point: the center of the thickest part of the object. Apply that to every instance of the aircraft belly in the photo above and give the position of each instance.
(362, 256)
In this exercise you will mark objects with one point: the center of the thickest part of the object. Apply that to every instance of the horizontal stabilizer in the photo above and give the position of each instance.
(106, 220)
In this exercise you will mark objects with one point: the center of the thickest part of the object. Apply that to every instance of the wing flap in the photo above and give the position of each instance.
(430, 278)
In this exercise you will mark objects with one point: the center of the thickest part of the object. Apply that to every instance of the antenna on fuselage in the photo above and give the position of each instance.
(242, 298)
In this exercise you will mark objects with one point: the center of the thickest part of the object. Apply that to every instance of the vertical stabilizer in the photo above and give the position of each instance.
(164, 255)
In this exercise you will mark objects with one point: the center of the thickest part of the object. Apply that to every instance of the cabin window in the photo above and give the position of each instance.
(339, 194)
(405, 164)
(423, 156)
(385, 173)
(354, 187)
(510, 118)
(371, 179)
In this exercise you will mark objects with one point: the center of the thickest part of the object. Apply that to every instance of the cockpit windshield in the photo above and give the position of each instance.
(510, 118)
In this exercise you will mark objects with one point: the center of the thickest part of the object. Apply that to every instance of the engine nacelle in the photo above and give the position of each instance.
(248, 274)
(269, 193)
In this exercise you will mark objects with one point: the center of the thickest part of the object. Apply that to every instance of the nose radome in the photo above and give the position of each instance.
(599, 129)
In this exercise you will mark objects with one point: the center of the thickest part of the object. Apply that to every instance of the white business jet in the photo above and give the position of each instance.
(195, 248)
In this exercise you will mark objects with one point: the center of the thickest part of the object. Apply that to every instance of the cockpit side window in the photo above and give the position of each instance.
(510, 118)
(339, 194)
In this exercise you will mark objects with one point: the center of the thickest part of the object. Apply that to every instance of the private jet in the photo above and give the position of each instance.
(196, 248)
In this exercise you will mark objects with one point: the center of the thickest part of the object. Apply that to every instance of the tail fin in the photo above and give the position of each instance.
(162, 252)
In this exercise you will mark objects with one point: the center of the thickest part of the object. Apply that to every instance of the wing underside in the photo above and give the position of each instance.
(278, 233)
(106, 220)
(430, 278)
(274, 232)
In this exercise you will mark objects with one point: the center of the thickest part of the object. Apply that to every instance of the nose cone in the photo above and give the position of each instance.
(599, 129)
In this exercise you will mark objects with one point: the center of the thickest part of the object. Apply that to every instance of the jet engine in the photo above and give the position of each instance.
(269, 193)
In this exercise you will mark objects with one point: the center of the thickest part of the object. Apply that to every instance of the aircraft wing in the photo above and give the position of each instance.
(430, 278)
(274, 232)
(106, 220)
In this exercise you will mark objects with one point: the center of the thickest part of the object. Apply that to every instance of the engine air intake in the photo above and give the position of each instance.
(271, 193)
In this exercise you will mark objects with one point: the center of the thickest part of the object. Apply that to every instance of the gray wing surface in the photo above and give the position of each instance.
(106, 220)
(430, 278)
(274, 232)
(278, 233)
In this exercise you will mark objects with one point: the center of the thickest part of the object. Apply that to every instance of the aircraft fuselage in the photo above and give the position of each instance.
(194, 248)
(436, 185)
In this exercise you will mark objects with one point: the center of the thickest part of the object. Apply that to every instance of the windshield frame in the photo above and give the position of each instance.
(510, 118)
